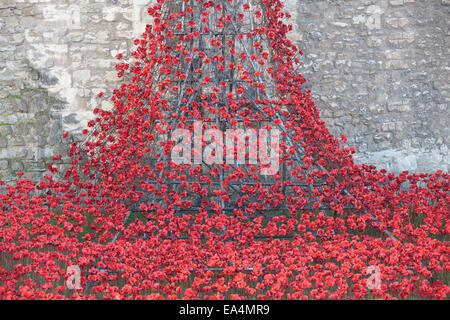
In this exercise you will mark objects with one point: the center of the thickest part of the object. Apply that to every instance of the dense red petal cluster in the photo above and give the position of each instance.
(126, 215)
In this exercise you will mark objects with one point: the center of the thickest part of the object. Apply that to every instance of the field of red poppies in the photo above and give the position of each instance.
(124, 221)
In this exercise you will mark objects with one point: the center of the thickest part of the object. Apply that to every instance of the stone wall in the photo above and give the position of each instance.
(55, 57)
(379, 72)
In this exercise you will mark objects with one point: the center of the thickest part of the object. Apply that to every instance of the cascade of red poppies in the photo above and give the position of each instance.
(140, 225)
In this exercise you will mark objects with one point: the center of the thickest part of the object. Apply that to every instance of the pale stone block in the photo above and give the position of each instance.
(81, 76)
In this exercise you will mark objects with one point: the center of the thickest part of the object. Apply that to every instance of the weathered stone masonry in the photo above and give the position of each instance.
(379, 72)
